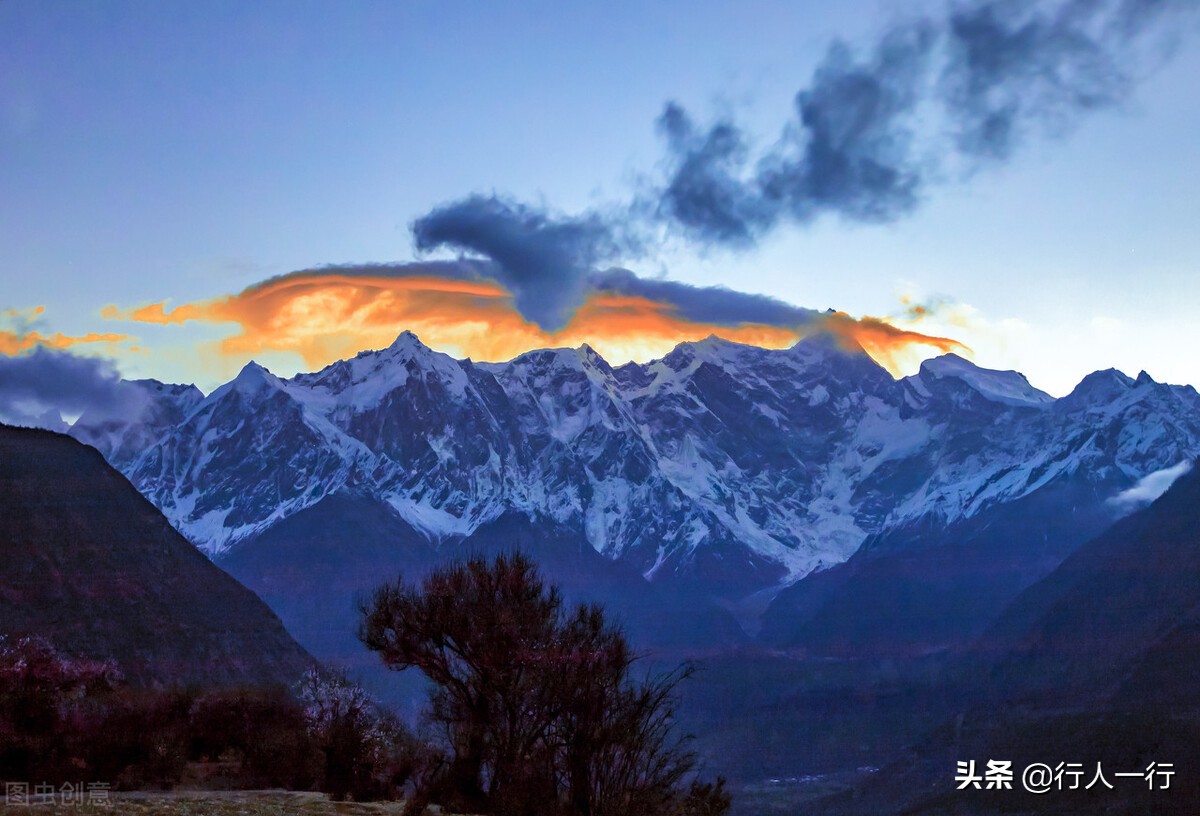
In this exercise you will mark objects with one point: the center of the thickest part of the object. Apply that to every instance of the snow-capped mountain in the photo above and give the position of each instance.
(742, 467)
(143, 411)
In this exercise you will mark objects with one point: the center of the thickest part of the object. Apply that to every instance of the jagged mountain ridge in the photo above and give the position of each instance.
(143, 411)
(752, 466)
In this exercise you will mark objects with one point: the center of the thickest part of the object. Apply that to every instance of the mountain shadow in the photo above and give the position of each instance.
(1095, 664)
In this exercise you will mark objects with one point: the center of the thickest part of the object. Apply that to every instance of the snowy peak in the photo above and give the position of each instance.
(1110, 392)
(741, 360)
(367, 379)
(589, 354)
(1145, 381)
(1100, 388)
(574, 359)
(558, 373)
(144, 411)
(1146, 387)
(714, 346)
(251, 380)
(253, 386)
(407, 342)
(1106, 382)
(1004, 387)
(184, 395)
(687, 356)
(139, 399)
(833, 359)
(824, 344)
(407, 348)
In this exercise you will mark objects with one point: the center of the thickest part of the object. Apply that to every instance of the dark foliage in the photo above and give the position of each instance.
(46, 700)
(65, 720)
(538, 706)
(262, 730)
(367, 754)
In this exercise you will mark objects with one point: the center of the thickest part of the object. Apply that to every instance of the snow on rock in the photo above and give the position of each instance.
(1007, 387)
(771, 462)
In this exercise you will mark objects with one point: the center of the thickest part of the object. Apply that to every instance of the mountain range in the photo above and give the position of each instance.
(870, 554)
(731, 470)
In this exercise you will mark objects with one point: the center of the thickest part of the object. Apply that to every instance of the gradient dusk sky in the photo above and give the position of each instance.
(181, 152)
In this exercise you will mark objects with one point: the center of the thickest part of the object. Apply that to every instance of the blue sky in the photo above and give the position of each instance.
(153, 151)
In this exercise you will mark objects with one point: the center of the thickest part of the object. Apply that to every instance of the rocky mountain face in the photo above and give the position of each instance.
(733, 469)
(96, 569)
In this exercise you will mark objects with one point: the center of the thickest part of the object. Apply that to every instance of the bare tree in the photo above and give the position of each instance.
(539, 708)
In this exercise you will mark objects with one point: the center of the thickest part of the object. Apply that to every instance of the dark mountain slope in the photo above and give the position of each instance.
(667, 618)
(312, 567)
(91, 565)
(1111, 611)
(923, 589)
(1096, 663)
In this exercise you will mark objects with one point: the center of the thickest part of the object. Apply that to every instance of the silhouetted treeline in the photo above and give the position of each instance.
(538, 708)
(67, 720)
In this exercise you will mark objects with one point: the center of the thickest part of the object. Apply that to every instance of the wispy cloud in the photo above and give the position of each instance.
(21, 330)
(16, 342)
(1150, 487)
(935, 97)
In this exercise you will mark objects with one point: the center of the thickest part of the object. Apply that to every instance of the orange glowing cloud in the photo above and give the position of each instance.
(328, 315)
(21, 337)
(939, 310)
(893, 347)
(12, 343)
(24, 314)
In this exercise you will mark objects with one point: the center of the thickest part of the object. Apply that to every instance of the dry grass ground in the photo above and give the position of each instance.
(211, 803)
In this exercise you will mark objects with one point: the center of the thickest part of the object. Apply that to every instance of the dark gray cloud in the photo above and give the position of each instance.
(460, 269)
(36, 387)
(933, 98)
(851, 153)
(1013, 67)
(702, 304)
(849, 150)
(542, 259)
(706, 304)
(967, 86)
(706, 192)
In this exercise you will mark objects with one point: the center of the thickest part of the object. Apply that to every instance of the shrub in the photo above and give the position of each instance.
(367, 753)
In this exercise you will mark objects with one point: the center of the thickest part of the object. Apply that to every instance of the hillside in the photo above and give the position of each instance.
(95, 568)
(1096, 663)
